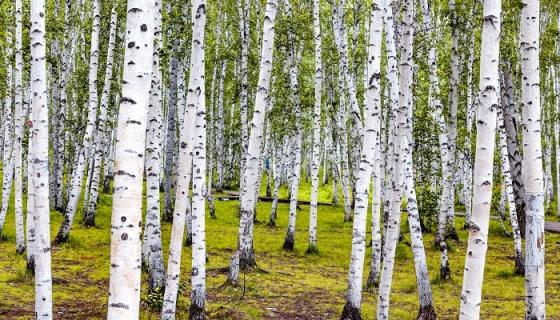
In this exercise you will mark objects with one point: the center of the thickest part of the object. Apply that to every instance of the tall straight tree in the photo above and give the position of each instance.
(198, 95)
(151, 246)
(98, 146)
(190, 132)
(316, 148)
(484, 161)
(532, 157)
(248, 194)
(18, 133)
(84, 152)
(399, 158)
(40, 162)
(372, 117)
(126, 221)
(7, 155)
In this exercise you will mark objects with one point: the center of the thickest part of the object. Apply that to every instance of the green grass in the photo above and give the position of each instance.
(298, 286)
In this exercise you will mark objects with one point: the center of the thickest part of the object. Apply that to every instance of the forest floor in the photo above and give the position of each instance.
(295, 286)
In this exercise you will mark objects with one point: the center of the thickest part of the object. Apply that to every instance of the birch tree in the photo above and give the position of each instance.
(84, 153)
(247, 198)
(99, 139)
(40, 162)
(7, 155)
(370, 136)
(316, 149)
(471, 294)
(198, 95)
(404, 102)
(532, 165)
(18, 132)
(126, 220)
(152, 247)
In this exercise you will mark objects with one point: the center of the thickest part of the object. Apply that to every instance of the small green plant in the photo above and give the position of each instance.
(428, 204)
(154, 299)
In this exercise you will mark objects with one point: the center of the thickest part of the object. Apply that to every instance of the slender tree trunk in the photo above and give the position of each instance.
(244, 28)
(446, 203)
(84, 154)
(293, 61)
(556, 79)
(519, 263)
(191, 129)
(126, 221)
(316, 148)
(515, 158)
(170, 139)
(18, 134)
(30, 215)
(405, 102)
(152, 247)
(40, 162)
(532, 165)
(483, 166)
(220, 156)
(469, 156)
(198, 96)
(372, 115)
(245, 234)
(450, 230)
(98, 145)
(8, 154)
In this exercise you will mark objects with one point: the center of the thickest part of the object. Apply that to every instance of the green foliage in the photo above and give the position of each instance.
(428, 206)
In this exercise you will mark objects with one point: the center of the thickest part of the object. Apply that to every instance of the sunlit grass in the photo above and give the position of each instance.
(297, 285)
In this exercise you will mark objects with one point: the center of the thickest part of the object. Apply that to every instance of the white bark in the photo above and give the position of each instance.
(248, 201)
(405, 102)
(532, 157)
(189, 139)
(30, 215)
(198, 96)
(293, 62)
(99, 139)
(446, 200)
(372, 117)
(7, 156)
(483, 166)
(126, 221)
(18, 133)
(316, 147)
(556, 79)
(468, 163)
(152, 247)
(40, 162)
(519, 263)
(84, 153)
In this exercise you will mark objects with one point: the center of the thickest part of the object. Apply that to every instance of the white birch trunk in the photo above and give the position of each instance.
(519, 263)
(8, 154)
(188, 140)
(468, 163)
(405, 102)
(126, 221)
(30, 215)
(293, 61)
(84, 154)
(40, 162)
(245, 234)
(198, 96)
(446, 202)
(556, 79)
(372, 115)
(316, 147)
(152, 247)
(98, 145)
(483, 166)
(18, 133)
(532, 161)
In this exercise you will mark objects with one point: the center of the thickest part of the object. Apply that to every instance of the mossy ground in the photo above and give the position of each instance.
(297, 285)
